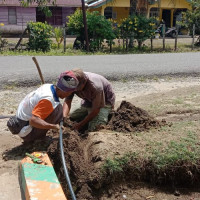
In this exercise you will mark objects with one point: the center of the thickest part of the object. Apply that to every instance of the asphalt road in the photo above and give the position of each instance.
(22, 68)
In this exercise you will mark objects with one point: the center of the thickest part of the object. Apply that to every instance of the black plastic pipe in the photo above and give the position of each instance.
(64, 163)
(5, 116)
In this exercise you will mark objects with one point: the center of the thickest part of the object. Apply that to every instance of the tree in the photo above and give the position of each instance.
(42, 4)
(132, 11)
(99, 29)
(58, 34)
(191, 17)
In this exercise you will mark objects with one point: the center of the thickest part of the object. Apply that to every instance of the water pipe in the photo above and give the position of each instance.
(64, 163)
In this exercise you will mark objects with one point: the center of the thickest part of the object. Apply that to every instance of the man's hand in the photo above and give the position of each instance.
(77, 126)
(57, 127)
(66, 120)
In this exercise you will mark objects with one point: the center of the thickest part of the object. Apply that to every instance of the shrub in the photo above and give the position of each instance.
(99, 29)
(3, 42)
(191, 17)
(39, 36)
(140, 27)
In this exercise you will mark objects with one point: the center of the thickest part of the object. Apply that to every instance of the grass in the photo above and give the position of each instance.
(12, 86)
(186, 150)
(176, 104)
(116, 165)
(72, 52)
(183, 46)
(168, 155)
(161, 161)
(155, 108)
(142, 79)
(53, 52)
(177, 101)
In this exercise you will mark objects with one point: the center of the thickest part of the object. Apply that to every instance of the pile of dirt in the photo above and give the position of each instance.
(128, 118)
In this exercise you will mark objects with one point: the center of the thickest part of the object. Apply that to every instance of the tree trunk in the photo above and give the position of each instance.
(133, 7)
(139, 44)
(132, 11)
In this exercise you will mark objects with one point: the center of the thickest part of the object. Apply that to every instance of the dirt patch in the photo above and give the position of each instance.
(129, 118)
(81, 170)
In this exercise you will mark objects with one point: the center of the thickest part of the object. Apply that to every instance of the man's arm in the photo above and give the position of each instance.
(41, 124)
(66, 107)
(88, 118)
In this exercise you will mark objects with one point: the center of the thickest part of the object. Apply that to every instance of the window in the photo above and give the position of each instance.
(114, 15)
(54, 20)
(40, 16)
(154, 12)
(108, 13)
(12, 17)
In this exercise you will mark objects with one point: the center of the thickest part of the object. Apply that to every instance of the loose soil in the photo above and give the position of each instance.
(129, 118)
(150, 108)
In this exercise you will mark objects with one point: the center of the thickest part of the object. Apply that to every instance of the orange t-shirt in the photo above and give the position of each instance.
(43, 109)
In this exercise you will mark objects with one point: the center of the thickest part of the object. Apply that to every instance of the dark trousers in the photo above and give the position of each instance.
(54, 118)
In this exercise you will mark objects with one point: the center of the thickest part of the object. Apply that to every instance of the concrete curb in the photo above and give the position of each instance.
(39, 181)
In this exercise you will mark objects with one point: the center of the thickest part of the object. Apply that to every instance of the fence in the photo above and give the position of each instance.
(126, 43)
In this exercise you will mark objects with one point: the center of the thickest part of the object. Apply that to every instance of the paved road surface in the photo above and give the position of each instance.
(22, 68)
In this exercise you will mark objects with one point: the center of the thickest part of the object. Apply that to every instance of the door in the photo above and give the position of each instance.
(166, 16)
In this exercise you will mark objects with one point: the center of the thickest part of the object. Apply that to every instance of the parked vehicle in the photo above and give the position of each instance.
(169, 32)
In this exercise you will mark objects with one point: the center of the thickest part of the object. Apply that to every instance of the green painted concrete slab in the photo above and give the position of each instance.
(39, 172)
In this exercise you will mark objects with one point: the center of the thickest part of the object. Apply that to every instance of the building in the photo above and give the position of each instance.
(15, 17)
(168, 10)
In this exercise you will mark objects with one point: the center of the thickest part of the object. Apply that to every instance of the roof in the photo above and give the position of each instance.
(61, 3)
(96, 3)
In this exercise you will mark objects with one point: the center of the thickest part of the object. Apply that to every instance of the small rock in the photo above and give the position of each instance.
(177, 193)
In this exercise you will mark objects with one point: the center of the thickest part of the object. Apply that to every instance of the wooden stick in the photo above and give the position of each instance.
(193, 34)
(38, 68)
(164, 36)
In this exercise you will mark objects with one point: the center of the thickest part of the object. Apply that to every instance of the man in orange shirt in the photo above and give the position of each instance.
(41, 109)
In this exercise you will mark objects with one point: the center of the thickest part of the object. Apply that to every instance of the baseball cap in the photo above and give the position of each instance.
(67, 81)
